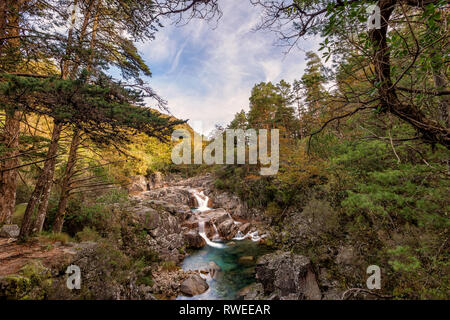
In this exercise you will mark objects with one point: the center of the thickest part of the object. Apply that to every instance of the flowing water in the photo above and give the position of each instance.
(235, 272)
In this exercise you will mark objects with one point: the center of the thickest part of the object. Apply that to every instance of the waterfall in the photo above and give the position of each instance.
(216, 234)
(202, 201)
(202, 233)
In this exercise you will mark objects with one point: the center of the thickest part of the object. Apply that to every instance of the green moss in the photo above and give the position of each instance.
(35, 272)
(15, 286)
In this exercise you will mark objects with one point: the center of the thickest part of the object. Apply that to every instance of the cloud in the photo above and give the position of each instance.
(272, 69)
(207, 73)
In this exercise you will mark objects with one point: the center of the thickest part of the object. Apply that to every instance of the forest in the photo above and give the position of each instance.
(85, 156)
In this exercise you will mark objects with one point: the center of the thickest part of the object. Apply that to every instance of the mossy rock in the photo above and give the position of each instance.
(35, 271)
(32, 282)
(15, 286)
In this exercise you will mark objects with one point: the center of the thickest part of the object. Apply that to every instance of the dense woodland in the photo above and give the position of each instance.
(364, 132)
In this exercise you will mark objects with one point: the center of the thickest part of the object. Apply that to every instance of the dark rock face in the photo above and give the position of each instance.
(287, 275)
(227, 229)
(245, 228)
(9, 231)
(230, 203)
(194, 285)
(193, 239)
(218, 216)
(162, 220)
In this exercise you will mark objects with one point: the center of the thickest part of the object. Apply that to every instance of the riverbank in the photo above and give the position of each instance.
(138, 256)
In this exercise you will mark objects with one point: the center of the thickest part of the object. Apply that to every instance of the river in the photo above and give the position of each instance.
(236, 260)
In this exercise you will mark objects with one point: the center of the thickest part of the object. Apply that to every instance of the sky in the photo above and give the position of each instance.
(206, 71)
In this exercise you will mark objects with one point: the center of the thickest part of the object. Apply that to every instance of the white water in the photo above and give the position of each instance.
(202, 201)
(252, 235)
(201, 232)
(216, 234)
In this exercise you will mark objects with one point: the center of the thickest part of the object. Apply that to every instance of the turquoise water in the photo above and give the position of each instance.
(233, 276)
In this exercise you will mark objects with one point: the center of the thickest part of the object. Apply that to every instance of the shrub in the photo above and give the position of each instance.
(46, 237)
(169, 265)
(87, 234)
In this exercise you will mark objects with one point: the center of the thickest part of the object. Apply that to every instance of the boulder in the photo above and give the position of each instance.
(217, 216)
(288, 275)
(213, 268)
(194, 285)
(155, 180)
(227, 229)
(193, 239)
(245, 228)
(193, 203)
(254, 291)
(213, 265)
(230, 203)
(9, 231)
(137, 184)
(149, 219)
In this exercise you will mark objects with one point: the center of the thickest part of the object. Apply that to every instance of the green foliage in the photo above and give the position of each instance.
(54, 237)
(87, 234)
(31, 283)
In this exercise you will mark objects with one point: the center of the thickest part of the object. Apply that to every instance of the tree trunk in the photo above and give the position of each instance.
(9, 15)
(65, 185)
(8, 179)
(71, 161)
(48, 181)
(45, 179)
(431, 131)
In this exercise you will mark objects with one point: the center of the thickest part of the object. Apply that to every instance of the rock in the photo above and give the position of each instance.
(230, 203)
(155, 180)
(214, 268)
(244, 228)
(149, 219)
(288, 275)
(193, 203)
(213, 265)
(246, 260)
(138, 184)
(9, 231)
(254, 291)
(167, 283)
(217, 216)
(175, 195)
(193, 239)
(194, 285)
(227, 229)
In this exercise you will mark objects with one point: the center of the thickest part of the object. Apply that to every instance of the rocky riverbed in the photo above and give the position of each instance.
(209, 244)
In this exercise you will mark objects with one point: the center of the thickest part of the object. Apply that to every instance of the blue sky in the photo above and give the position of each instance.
(206, 70)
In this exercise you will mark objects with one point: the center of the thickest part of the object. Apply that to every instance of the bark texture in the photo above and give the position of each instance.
(66, 182)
